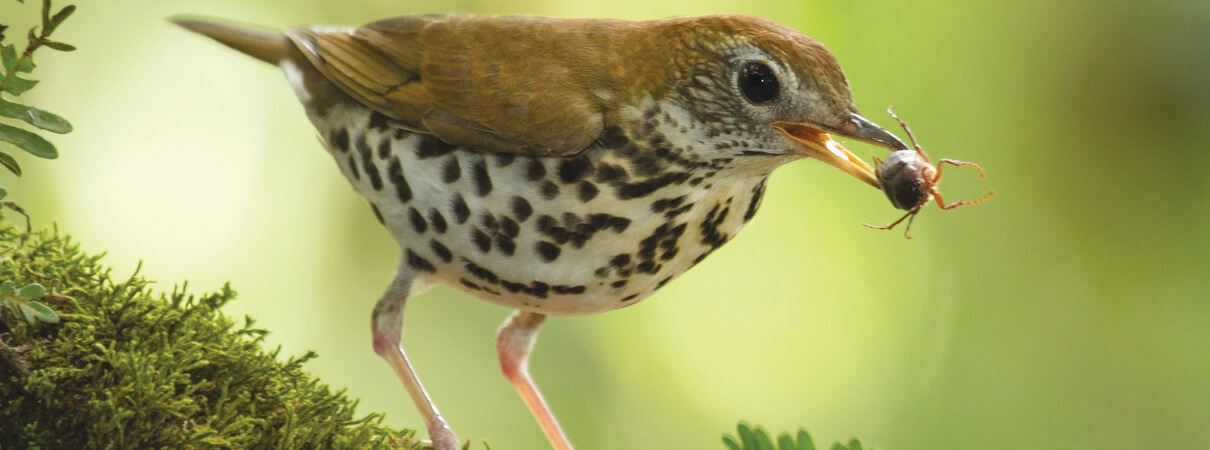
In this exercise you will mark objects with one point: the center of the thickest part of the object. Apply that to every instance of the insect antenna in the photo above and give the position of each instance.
(911, 136)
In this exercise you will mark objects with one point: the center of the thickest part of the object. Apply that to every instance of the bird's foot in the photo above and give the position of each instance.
(443, 437)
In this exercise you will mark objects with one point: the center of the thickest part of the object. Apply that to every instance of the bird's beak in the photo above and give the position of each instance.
(819, 145)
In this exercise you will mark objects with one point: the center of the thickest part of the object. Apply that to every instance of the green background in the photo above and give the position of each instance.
(1070, 311)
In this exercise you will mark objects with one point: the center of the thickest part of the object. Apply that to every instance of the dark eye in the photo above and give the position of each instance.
(758, 83)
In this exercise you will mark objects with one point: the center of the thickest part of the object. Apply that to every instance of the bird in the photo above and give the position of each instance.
(557, 166)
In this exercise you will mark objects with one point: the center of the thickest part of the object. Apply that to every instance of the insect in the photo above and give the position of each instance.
(909, 180)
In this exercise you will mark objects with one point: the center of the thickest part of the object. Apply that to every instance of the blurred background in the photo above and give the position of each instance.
(1070, 311)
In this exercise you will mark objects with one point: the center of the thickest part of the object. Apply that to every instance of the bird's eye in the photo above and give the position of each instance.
(758, 83)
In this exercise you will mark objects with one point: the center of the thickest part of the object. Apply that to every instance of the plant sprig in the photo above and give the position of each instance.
(758, 439)
(12, 83)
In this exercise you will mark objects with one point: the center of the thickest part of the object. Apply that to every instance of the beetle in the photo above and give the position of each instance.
(909, 179)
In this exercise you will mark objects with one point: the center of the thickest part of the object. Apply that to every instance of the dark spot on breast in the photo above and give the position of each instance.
(438, 221)
(481, 240)
(513, 287)
(646, 187)
(548, 190)
(509, 227)
(429, 146)
(662, 205)
(567, 290)
(418, 263)
(663, 282)
(535, 169)
(459, 208)
(367, 162)
(481, 273)
(539, 289)
(418, 222)
(506, 245)
(609, 173)
(339, 138)
(588, 191)
(646, 267)
(619, 284)
(379, 121)
(754, 203)
(602, 272)
(668, 254)
(377, 213)
(488, 220)
(572, 170)
(621, 260)
(483, 183)
(353, 168)
(441, 251)
(384, 147)
(571, 220)
(547, 251)
(522, 208)
(505, 159)
(395, 173)
(629, 297)
(451, 171)
(469, 284)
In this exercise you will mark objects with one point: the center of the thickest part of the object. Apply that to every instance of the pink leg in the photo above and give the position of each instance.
(514, 344)
(387, 325)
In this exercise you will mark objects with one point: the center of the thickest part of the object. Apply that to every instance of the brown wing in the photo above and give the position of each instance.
(508, 84)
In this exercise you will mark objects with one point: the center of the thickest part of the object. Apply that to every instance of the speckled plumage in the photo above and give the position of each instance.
(556, 166)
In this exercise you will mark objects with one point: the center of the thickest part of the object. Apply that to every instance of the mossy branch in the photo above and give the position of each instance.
(127, 367)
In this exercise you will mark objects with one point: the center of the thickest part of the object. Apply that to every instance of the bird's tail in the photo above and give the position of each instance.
(263, 45)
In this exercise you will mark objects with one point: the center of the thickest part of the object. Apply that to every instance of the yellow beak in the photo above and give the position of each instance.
(819, 145)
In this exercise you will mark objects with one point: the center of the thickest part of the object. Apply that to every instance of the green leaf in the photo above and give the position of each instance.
(25, 65)
(731, 443)
(62, 15)
(763, 442)
(59, 46)
(42, 119)
(46, 25)
(854, 444)
(16, 85)
(7, 161)
(8, 57)
(32, 291)
(804, 441)
(28, 313)
(3, 193)
(838, 446)
(745, 436)
(43, 312)
(29, 142)
(785, 442)
(7, 289)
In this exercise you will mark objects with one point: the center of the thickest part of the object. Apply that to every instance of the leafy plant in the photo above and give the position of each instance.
(24, 302)
(12, 65)
(758, 439)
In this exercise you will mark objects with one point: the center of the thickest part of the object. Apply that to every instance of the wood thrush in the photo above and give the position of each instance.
(558, 166)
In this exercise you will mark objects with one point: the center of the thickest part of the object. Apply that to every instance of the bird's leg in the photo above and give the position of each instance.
(387, 325)
(514, 344)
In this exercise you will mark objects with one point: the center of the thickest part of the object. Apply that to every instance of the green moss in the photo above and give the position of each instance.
(128, 367)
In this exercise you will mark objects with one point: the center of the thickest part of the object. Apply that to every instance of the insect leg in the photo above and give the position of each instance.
(955, 162)
(942, 205)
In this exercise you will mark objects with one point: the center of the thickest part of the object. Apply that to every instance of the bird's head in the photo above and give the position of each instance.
(762, 90)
